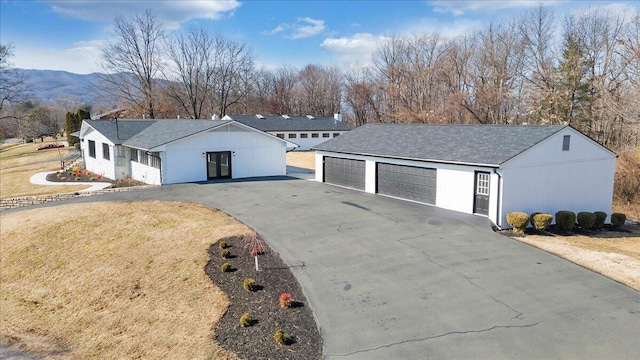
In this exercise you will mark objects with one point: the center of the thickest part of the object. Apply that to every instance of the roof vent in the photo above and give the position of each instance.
(286, 116)
(310, 117)
(215, 117)
(260, 116)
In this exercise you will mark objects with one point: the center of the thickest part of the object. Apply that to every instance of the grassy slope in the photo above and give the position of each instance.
(125, 286)
(19, 162)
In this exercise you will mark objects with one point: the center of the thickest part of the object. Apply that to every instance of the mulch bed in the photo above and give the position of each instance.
(607, 231)
(86, 176)
(274, 278)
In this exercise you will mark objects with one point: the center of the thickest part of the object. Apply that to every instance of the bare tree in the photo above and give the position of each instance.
(12, 83)
(233, 71)
(132, 61)
(362, 96)
(191, 75)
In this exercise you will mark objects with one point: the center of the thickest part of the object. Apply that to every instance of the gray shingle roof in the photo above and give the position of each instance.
(294, 123)
(466, 144)
(147, 134)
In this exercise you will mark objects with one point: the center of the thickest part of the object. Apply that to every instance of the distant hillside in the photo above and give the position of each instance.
(62, 86)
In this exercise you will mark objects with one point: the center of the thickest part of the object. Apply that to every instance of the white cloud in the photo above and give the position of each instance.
(458, 8)
(448, 29)
(171, 13)
(357, 48)
(81, 58)
(303, 28)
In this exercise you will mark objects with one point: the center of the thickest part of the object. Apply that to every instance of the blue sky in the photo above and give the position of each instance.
(67, 35)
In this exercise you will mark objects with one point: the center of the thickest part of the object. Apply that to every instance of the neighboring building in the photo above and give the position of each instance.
(306, 131)
(177, 151)
(489, 170)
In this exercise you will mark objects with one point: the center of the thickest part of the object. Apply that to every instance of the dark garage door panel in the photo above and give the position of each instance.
(344, 172)
(407, 182)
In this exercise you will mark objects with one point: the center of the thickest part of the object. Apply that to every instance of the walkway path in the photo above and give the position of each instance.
(41, 179)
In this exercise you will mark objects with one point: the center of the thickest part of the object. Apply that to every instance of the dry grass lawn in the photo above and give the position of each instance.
(78, 282)
(18, 163)
(302, 159)
(616, 258)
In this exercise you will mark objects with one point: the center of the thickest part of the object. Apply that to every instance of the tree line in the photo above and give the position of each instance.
(536, 68)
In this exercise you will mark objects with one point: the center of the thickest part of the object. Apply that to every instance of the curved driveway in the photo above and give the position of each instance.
(389, 279)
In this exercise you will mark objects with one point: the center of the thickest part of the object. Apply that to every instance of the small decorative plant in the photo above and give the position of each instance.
(601, 216)
(286, 300)
(618, 219)
(541, 221)
(250, 284)
(282, 338)
(223, 244)
(518, 221)
(225, 253)
(255, 245)
(226, 267)
(246, 320)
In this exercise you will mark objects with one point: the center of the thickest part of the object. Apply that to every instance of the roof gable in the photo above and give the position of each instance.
(489, 145)
(291, 123)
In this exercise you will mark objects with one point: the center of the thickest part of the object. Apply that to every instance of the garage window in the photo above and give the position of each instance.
(314, 135)
(281, 136)
(304, 135)
(335, 134)
(325, 135)
(292, 136)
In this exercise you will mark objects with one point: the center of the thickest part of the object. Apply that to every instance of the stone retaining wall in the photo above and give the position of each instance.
(11, 203)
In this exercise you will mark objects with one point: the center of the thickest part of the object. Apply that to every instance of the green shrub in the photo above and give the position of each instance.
(225, 253)
(541, 221)
(282, 338)
(223, 244)
(518, 221)
(601, 216)
(565, 221)
(250, 284)
(586, 219)
(246, 320)
(618, 219)
(226, 267)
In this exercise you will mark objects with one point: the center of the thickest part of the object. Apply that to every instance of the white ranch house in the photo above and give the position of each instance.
(489, 170)
(177, 151)
(306, 131)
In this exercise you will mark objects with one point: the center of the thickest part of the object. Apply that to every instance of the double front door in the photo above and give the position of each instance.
(219, 165)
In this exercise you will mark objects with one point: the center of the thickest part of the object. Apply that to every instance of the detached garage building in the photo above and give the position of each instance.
(177, 151)
(488, 170)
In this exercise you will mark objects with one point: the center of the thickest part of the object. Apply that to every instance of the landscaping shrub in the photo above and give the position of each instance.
(286, 300)
(586, 219)
(223, 244)
(518, 221)
(601, 216)
(246, 320)
(282, 338)
(565, 221)
(225, 253)
(226, 267)
(618, 219)
(541, 221)
(250, 284)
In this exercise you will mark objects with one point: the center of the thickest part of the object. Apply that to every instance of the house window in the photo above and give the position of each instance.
(105, 151)
(325, 135)
(143, 157)
(119, 151)
(134, 155)
(281, 136)
(92, 149)
(314, 135)
(565, 142)
(292, 136)
(335, 134)
(304, 136)
(154, 160)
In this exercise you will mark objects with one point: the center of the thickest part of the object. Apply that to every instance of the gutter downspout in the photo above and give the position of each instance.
(498, 202)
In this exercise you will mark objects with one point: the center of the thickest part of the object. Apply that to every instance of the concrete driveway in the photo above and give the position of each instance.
(389, 279)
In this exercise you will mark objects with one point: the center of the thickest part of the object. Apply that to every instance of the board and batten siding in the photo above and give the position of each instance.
(98, 165)
(253, 154)
(547, 179)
